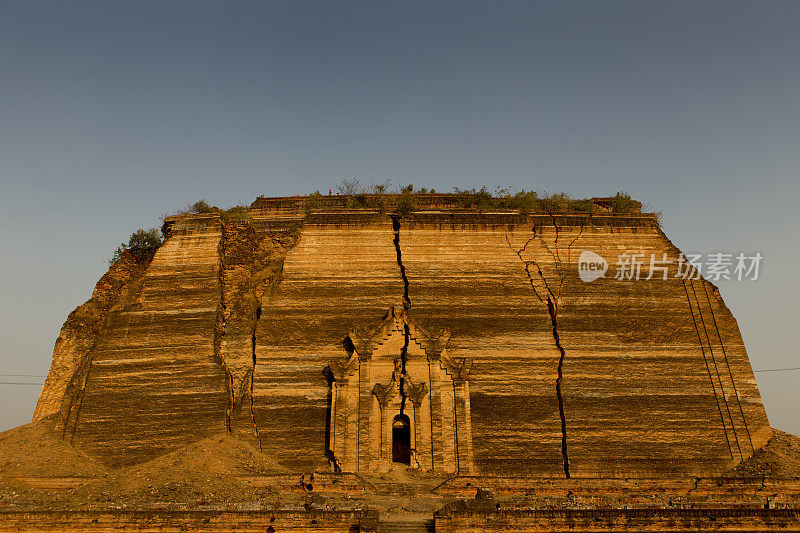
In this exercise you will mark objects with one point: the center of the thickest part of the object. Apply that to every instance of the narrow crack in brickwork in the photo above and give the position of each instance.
(238, 255)
(403, 358)
(219, 329)
(252, 379)
(250, 261)
(266, 263)
(555, 245)
(546, 294)
(551, 310)
(396, 228)
(538, 291)
(406, 309)
(81, 394)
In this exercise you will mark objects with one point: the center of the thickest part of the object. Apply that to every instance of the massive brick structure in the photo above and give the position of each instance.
(442, 340)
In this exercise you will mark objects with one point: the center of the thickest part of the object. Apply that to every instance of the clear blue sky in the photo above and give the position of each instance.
(112, 113)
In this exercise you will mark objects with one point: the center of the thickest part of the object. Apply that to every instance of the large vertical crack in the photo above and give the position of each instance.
(219, 326)
(250, 261)
(564, 456)
(252, 378)
(396, 228)
(549, 293)
(406, 309)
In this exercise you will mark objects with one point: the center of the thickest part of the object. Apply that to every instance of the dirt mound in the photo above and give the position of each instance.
(211, 471)
(780, 457)
(37, 450)
(203, 472)
(219, 454)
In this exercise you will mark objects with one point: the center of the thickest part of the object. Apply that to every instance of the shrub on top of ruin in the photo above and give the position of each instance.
(622, 203)
(377, 194)
(141, 246)
(406, 203)
(118, 254)
(201, 207)
(349, 187)
(198, 208)
(378, 189)
(238, 212)
(357, 201)
(658, 214)
(358, 195)
(475, 199)
(483, 199)
(463, 196)
(314, 202)
(525, 201)
(554, 203)
(583, 206)
(363, 195)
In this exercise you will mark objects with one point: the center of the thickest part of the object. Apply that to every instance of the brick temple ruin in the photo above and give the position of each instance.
(350, 366)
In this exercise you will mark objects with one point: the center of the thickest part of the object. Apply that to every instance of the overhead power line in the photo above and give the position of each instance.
(778, 369)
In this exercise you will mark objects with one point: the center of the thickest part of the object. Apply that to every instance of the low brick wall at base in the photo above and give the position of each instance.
(195, 521)
(640, 520)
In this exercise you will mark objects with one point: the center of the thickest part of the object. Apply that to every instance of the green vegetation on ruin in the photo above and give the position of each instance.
(403, 200)
(141, 246)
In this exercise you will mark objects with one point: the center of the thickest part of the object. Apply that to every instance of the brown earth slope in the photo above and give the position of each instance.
(779, 458)
(38, 469)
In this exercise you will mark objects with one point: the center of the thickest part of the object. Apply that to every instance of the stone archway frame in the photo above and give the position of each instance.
(366, 396)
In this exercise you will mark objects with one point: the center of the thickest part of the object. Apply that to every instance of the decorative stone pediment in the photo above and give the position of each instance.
(382, 340)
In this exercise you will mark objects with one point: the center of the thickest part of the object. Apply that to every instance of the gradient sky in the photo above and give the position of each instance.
(114, 113)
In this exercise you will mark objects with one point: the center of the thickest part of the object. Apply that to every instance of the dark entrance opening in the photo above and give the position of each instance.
(401, 440)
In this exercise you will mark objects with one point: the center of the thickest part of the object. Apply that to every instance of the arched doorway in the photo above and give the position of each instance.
(401, 440)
